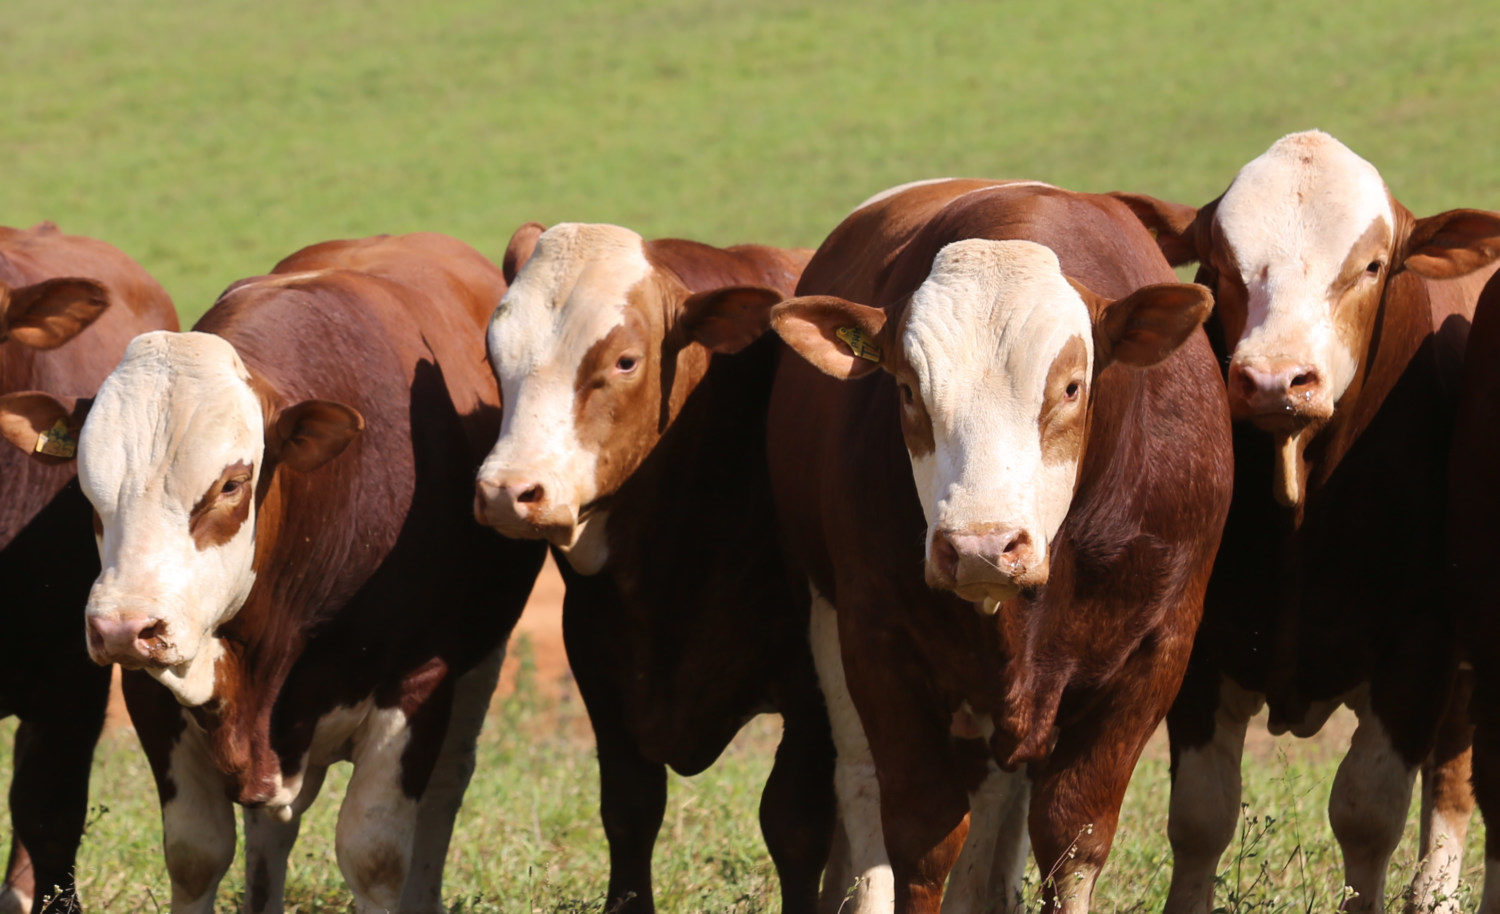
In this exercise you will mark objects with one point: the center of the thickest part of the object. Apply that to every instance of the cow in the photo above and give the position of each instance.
(1341, 322)
(1002, 464)
(1471, 574)
(68, 306)
(635, 383)
(290, 573)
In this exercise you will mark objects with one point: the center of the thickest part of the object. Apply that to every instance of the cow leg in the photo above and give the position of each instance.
(1447, 803)
(49, 792)
(445, 789)
(632, 788)
(197, 824)
(923, 783)
(16, 897)
(988, 874)
(377, 821)
(866, 886)
(1205, 801)
(269, 837)
(1367, 809)
(797, 807)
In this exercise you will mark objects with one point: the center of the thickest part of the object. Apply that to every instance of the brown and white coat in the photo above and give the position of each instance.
(289, 567)
(1007, 531)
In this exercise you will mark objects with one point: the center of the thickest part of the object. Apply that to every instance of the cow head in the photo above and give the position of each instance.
(171, 453)
(1301, 250)
(995, 359)
(46, 314)
(595, 347)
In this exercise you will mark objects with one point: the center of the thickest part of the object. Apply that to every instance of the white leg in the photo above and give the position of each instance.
(1435, 887)
(445, 790)
(838, 875)
(377, 823)
(269, 835)
(1075, 890)
(874, 888)
(1367, 809)
(987, 876)
(197, 826)
(1205, 803)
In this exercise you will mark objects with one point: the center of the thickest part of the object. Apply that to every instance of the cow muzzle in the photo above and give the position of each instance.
(1278, 395)
(986, 565)
(133, 640)
(521, 507)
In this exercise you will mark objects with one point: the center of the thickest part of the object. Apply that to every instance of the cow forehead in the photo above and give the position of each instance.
(993, 312)
(1304, 204)
(176, 410)
(573, 291)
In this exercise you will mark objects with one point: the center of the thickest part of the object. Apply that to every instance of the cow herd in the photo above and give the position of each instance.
(974, 496)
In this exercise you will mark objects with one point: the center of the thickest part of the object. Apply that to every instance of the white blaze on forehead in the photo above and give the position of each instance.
(165, 424)
(1292, 218)
(570, 295)
(981, 335)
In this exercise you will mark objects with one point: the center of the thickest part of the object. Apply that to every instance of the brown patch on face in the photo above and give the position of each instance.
(1356, 298)
(916, 424)
(615, 408)
(1062, 419)
(223, 509)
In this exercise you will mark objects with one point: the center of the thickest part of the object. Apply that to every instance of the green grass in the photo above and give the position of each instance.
(529, 839)
(211, 139)
(208, 140)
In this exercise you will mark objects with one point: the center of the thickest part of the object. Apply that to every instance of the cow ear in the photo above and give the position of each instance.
(1171, 223)
(522, 243)
(1147, 325)
(46, 314)
(43, 426)
(729, 319)
(838, 337)
(313, 432)
(1453, 243)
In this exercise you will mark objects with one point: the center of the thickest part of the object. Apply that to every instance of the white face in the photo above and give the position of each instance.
(565, 348)
(998, 353)
(169, 456)
(1302, 225)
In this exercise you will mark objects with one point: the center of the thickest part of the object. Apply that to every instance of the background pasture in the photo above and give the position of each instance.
(210, 139)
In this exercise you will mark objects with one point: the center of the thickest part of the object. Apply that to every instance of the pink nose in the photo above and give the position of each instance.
(128, 640)
(496, 500)
(1272, 387)
(977, 563)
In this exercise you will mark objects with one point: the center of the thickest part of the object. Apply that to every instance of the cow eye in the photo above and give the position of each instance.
(625, 364)
(1374, 268)
(1071, 391)
(232, 486)
(907, 396)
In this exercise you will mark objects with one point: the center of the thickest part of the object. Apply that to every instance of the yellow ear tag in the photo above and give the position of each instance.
(57, 442)
(859, 343)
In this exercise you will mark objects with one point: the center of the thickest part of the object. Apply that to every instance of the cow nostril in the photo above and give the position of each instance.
(1305, 379)
(153, 631)
(1018, 544)
(530, 496)
(944, 555)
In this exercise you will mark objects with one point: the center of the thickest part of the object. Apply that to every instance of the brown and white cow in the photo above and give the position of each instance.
(68, 306)
(1473, 574)
(282, 509)
(1007, 528)
(635, 389)
(1341, 320)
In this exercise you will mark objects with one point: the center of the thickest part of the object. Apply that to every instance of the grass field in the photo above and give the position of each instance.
(208, 140)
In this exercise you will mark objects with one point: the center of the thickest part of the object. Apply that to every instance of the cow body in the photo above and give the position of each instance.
(952, 723)
(48, 560)
(328, 596)
(1473, 505)
(634, 441)
(1365, 310)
